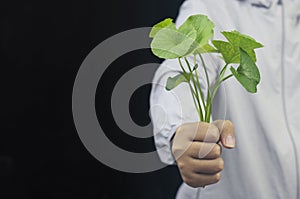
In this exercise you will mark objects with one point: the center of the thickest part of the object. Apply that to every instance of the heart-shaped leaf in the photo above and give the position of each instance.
(247, 73)
(203, 26)
(226, 49)
(231, 50)
(170, 44)
(167, 23)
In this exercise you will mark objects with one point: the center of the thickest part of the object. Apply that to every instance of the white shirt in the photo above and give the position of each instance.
(265, 163)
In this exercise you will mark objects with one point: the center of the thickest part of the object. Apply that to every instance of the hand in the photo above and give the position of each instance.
(198, 152)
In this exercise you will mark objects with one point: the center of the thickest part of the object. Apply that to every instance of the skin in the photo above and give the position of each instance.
(197, 150)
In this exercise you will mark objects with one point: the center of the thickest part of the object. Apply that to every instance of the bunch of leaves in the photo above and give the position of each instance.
(194, 38)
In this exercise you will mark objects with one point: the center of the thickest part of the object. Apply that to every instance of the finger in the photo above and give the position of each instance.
(199, 131)
(200, 180)
(204, 166)
(227, 133)
(203, 150)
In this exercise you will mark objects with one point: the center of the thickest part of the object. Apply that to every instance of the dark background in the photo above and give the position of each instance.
(42, 45)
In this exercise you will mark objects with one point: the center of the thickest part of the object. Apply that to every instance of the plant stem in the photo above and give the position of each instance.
(219, 81)
(196, 90)
(223, 71)
(206, 74)
(191, 88)
(181, 66)
(194, 99)
(208, 112)
(214, 91)
(227, 77)
(199, 86)
(208, 98)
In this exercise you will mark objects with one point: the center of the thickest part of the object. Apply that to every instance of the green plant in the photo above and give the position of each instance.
(192, 39)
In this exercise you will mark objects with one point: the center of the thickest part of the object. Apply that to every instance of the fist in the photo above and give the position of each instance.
(197, 150)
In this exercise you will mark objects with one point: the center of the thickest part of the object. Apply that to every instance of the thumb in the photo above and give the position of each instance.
(226, 129)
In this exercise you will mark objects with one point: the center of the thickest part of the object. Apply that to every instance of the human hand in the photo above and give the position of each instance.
(197, 150)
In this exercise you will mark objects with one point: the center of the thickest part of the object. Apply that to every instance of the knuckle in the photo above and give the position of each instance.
(214, 133)
(180, 128)
(217, 151)
(228, 124)
(217, 178)
(173, 149)
(181, 166)
(183, 127)
(177, 151)
(219, 166)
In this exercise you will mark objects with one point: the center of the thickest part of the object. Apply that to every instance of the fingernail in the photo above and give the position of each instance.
(229, 141)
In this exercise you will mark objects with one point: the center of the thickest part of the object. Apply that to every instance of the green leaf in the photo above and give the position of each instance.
(206, 49)
(247, 73)
(170, 44)
(231, 50)
(193, 34)
(167, 23)
(226, 49)
(244, 41)
(172, 82)
(203, 26)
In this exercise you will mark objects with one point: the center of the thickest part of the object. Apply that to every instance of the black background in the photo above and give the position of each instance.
(42, 45)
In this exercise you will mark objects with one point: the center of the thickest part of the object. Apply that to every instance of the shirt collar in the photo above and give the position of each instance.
(266, 3)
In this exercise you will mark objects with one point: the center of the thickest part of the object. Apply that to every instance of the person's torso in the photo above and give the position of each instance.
(265, 163)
